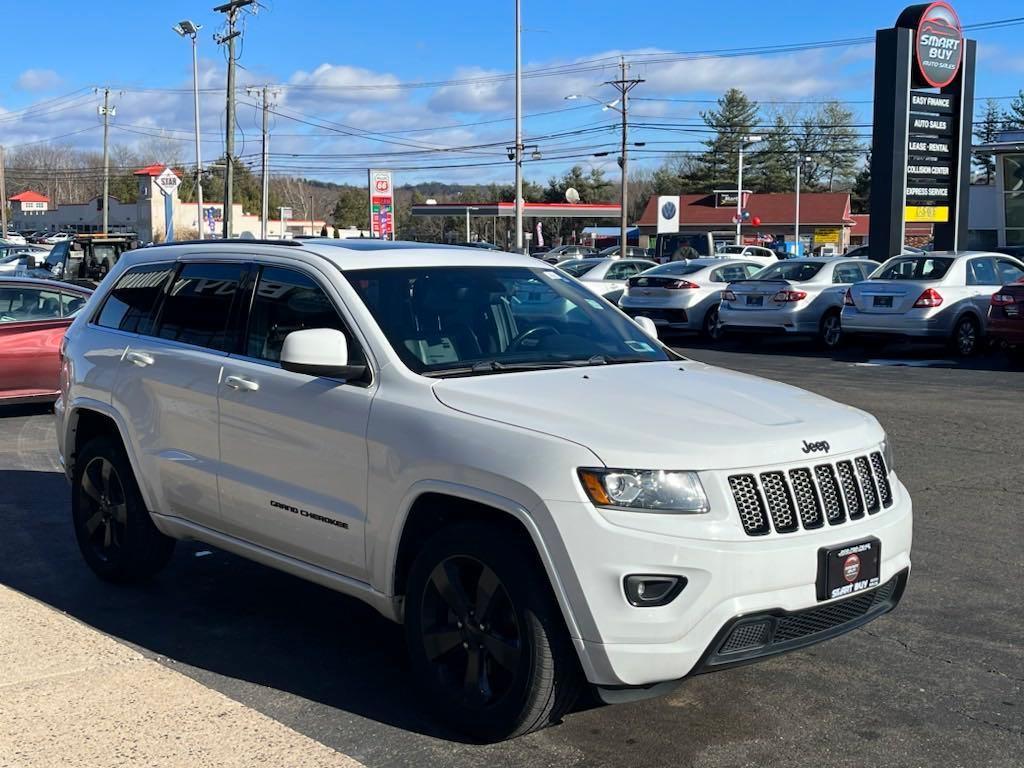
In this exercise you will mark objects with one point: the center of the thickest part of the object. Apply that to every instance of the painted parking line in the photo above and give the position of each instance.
(907, 363)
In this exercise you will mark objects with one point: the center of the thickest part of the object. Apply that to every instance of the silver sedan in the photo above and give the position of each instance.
(794, 297)
(941, 296)
(684, 295)
(605, 277)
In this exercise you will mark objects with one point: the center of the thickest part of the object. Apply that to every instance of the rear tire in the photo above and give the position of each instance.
(488, 646)
(830, 330)
(115, 533)
(966, 339)
(711, 330)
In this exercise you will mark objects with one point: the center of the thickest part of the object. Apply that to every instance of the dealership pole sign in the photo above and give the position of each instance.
(382, 204)
(921, 142)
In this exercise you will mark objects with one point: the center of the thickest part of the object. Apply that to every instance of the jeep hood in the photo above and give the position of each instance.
(670, 415)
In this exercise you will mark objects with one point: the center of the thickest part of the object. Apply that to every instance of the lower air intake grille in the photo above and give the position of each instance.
(827, 616)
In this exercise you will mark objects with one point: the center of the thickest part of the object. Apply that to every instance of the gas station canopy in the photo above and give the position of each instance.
(530, 210)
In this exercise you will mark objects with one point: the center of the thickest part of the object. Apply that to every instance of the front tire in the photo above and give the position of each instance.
(487, 642)
(115, 533)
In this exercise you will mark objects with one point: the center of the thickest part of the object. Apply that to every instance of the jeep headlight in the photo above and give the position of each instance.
(652, 490)
(890, 464)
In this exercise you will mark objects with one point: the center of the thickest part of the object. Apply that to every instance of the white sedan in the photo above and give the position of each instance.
(763, 256)
(605, 277)
(57, 237)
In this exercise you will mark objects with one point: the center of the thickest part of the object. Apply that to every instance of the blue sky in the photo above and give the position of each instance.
(346, 67)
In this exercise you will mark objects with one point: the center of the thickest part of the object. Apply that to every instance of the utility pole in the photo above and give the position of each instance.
(796, 221)
(265, 94)
(230, 9)
(519, 130)
(624, 85)
(106, 112)
(744, 141)
(3, 192)
(311, 232)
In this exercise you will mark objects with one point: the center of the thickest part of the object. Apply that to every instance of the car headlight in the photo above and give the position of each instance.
(890, 463)
(649, 490)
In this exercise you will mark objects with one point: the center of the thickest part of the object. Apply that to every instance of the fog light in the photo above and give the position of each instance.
(652, 591)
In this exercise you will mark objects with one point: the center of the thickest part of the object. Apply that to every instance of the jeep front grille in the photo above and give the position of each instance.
(808, 497)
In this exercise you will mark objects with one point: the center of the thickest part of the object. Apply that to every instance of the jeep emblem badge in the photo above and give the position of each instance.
(818, 447)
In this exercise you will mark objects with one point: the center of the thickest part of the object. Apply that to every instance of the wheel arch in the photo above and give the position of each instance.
(90, 419)
(433, 504)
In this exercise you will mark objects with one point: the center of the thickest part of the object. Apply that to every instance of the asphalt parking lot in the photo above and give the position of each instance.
(938, 682)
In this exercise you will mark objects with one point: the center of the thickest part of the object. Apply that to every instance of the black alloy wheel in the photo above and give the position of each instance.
(105, 509)
(470, 634)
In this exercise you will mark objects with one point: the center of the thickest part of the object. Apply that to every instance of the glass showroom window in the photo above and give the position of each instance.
(1013, 186)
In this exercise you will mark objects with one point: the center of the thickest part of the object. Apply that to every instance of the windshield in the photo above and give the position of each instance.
(577, 268)
(465, 321)
(797, 272)
(733, 249)
(914, 268)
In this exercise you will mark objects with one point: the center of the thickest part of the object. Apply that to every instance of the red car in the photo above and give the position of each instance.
(1006, 315)
(33, 317)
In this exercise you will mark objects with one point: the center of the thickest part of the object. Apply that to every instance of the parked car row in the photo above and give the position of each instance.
(949, 297)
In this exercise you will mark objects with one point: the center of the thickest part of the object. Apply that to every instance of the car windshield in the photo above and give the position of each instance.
(675, 268)
(797, 272)
(914, 268)
(465, 321)
(733, 249)
(577, 268)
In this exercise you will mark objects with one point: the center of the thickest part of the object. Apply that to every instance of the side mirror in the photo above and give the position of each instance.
(648, 325)
(319, 352)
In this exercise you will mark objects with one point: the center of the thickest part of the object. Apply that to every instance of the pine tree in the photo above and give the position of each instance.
(860, 199)
(841, 146)
(734, 120)
(987, 131)
(1015, 118)
(773, 163)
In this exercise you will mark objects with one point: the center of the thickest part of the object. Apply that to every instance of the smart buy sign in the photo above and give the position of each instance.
(939, 43)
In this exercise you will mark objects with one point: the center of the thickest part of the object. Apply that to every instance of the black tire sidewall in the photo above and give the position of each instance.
(542, 632)
(145, 550)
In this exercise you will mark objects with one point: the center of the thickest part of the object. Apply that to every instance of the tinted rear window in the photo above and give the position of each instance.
(676, 268)
(798, 272)
(197, 309)
(130, 305)
(578, 269)
(915, 268)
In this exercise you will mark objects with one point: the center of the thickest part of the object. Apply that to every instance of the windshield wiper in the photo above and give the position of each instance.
(485, 367)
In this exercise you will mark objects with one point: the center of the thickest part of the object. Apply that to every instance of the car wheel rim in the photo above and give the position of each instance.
(833, 330)
(967, 338)
(105, 506)
(470, 634)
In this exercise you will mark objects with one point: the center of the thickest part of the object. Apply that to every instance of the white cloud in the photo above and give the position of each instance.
(37, 80)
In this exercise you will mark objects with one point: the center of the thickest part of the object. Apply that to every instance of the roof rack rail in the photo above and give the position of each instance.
(232, 241)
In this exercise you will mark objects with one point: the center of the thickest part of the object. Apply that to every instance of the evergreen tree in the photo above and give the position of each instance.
(773, 163)
(987, 131)
(840, 145)
(860, 200)
(1015, 117)
(735, 118)
(352, 208)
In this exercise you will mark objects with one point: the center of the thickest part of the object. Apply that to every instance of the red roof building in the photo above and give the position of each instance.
(28, 196)
(775, 210)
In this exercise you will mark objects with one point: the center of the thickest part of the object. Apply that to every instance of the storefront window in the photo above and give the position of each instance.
(1013, 188)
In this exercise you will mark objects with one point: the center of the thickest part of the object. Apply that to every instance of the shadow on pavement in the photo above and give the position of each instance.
(216, 612)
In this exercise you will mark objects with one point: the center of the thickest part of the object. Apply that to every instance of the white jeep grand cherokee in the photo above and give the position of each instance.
(481, 449)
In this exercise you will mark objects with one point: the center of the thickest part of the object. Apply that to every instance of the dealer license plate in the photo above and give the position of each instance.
(848, 569)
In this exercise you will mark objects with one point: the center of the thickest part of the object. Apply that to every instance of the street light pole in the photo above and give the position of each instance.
(796, 225)
(624, 86)
(744, 141)
(519, 132)
(188, 29)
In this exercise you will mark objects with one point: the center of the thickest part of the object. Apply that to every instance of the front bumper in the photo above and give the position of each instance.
(730, 576)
